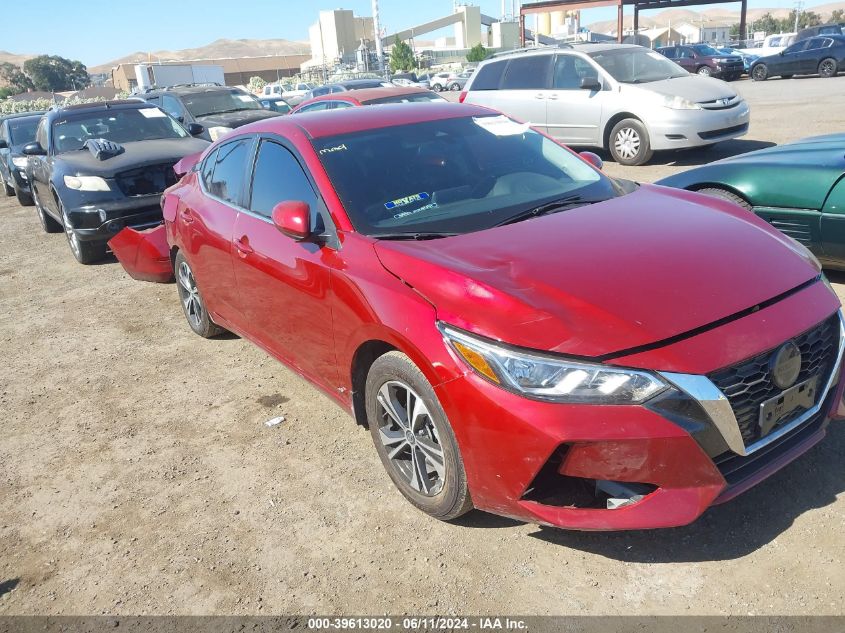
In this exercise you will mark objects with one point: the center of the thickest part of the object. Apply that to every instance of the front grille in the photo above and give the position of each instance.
(720, 104)
(144, 181)
(727, 130)
(748, 384)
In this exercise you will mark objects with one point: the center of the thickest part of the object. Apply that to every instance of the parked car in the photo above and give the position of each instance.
(747, 59)
(627, 99)
(367, 96)
(824, 56)
(772, 44)
(438, 81)
(16, 130)
(219, 109)
(410, 80)
(822, 29)
(458, 81)
(344, 86)
(97, 168)
(703, 59)
(432, 267)
(799, 188)
(292, 93)
(275, 105)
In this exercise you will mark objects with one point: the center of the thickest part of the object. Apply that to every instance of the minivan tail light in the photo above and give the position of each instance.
(463, 96)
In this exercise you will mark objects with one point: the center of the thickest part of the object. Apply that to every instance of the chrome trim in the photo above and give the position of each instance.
(718, 407)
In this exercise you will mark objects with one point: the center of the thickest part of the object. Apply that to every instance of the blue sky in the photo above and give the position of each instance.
(97, 31)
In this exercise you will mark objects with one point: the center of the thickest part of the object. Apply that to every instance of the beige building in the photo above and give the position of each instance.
(237, 70)
(336, 36)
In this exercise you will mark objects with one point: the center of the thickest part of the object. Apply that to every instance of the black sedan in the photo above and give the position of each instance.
(16, 130)
(97, 168)
(823, 56)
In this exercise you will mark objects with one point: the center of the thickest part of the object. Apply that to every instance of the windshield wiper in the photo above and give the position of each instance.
(570, 202)
(410, 236)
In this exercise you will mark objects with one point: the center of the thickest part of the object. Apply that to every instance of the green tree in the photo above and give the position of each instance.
(401, 57)
(768, 23)
(477, 53)
(805, 19)
(14, 78)
(53, 73)
(838, 15)
(256, 84)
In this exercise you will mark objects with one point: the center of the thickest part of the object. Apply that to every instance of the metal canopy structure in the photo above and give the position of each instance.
(639, 5)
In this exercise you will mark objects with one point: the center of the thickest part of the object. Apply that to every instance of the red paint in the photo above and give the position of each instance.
(293, 218)
(362, 97)
(145, 255)
(596, 280)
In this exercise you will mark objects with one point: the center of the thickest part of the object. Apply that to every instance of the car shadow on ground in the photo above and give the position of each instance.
(736, 528)
(701, 156)
(9, 585)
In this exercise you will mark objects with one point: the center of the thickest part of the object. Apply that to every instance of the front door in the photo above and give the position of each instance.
(284, 285)
(790, 59)
(573, 114)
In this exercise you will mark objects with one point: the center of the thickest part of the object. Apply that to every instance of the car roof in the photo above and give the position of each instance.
(368, 94)
(117, 104)
(189, 89)
(335, 122)
(22, 115)
(586, 47)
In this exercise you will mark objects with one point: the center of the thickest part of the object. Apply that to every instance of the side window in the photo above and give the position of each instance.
(208, 169)
(320, 105)
(339, 105)
(2, 131)
(489, 76)
(685, 53)
(671, 52)
(569, 71)
(172, 106)
(154, 100)
(528, 73)
(278, 177)
(227, 180)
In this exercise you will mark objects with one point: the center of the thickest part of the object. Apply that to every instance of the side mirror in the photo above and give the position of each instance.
(590, 83)
(33, 149)
(3, 144)
(781, 53)
(195, 129)
(593, 159)
(180, 118)
(293, 218)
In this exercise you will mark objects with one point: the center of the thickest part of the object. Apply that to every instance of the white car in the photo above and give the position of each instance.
(438, 81)
(293, 93)
(772, 45)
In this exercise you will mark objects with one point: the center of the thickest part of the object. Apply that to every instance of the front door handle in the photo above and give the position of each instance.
(243, 246)
(539, 95)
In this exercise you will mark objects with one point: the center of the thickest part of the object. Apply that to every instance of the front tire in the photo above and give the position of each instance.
(85, 252)
(827, 68)
(724, 194)
(455, 87)
(629, 143)
(24, 199)
(704, 71)
(193, 304)
(48, 224)
(760, 72)
(414, 439)
(10, 191)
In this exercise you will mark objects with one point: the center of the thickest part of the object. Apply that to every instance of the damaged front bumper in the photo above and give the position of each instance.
(144, 254)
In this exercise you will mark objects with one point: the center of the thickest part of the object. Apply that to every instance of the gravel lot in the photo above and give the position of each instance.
(138, 477)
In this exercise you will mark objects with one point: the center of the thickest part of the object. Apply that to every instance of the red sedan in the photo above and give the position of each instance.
(367, 96)
(520, 333)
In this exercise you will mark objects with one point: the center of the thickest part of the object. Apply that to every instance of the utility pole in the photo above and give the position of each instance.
(377, 34)
(799, 6)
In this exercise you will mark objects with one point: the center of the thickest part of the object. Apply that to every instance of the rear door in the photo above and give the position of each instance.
(686, 59)
(285, 285)
(809, 58)
(524, 89)
(206, 218)
(573, 114)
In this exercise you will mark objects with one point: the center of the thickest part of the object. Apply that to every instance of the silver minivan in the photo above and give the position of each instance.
(626, 99)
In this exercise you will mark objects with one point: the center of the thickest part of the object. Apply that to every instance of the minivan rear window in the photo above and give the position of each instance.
(528, 73)
(489, 76)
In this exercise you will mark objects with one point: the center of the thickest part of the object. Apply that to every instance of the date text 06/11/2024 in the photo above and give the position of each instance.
(411, 623)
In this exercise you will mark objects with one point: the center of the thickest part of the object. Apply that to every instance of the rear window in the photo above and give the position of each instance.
(528, 73)
(489, 76)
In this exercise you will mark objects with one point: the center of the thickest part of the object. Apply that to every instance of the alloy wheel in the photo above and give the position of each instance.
(72, 238)
(189, 295)
(627, 143)
(760, 72)
(705, 71)
(826, 68)
(408, 433)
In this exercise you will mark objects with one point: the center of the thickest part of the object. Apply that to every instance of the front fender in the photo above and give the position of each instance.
(144, 255)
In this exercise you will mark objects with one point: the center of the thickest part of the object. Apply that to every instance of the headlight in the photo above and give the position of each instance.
(86, 183)
(20, 162)
(541, 377)
(679, 103)
(218, 131)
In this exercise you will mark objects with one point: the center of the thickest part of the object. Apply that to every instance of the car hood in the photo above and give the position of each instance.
(136, 154)
(600, 279)
(235, 119)
(692, 87)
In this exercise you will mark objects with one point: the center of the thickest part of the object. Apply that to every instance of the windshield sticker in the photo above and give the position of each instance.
(245, 98)
(402, 202)
(332, 150)
(152, 113)
(654, 55)
(403, 214)
(501, 125)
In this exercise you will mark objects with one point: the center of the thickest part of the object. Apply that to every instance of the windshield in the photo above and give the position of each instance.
(219, 101)
(637, 65)
(119, 126)
(453, 175)
(22, 131)
(704, 49)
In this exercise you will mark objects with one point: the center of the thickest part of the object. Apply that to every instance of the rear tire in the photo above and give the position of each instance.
(419, 451)
(455, 87)
(704, 71)
(724, 194)
(629, 143)
(760, 72)
(828, 68)
(193, 304)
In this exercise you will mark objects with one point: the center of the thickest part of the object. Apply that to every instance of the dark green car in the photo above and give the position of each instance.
(799, 188)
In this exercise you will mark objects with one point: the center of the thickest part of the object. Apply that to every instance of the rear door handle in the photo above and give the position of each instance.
(539, 95)
(187, 218)
(243, 246)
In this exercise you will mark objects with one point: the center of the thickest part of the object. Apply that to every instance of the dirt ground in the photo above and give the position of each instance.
(137, 475)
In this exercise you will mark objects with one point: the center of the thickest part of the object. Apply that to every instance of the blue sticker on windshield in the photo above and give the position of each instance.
(401, 202)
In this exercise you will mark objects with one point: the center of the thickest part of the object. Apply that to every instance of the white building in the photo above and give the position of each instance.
(703, 32)
(336, 36)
